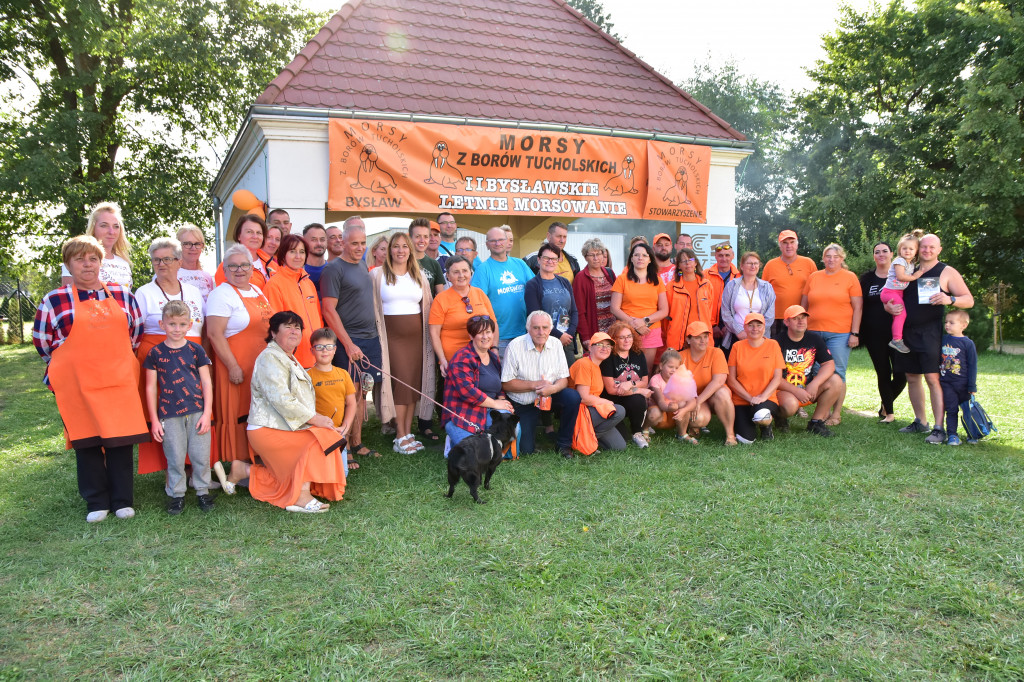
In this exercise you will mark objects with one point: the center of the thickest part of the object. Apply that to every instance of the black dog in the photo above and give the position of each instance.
(480, 453)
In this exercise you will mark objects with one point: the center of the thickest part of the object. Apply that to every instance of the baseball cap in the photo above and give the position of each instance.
(660, 235)
(793, 311)
(753, 316)
(434, 227)
(599, 337)
(696, 328)
(786, 234)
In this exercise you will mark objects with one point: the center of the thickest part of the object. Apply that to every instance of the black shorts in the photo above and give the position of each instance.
(925, 344)
(371, 349)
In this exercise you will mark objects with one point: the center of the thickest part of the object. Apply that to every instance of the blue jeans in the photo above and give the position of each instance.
(839, 346)
(568, 400)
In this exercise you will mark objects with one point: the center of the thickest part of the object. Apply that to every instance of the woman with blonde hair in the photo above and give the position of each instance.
(401, 301)
(377, 253)
(106, 225)
(193, 241)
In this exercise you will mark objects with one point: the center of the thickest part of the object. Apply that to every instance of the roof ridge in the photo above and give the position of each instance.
(622, 48)
(277, 86)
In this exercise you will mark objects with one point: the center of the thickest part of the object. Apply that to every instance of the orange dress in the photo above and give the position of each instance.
(293, 290)
(289, 458)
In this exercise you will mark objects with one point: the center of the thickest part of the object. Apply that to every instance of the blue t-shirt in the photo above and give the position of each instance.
(959, 366)
(450, 246)
(490, 379)
(505, 284)
(179, 388)
(314, 272)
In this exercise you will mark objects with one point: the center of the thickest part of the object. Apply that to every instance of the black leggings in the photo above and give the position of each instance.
(636, 411)
(745, 426)
(890, 383)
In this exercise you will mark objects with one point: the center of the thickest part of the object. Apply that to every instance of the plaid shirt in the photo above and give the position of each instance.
(55, 316)
(461, 394)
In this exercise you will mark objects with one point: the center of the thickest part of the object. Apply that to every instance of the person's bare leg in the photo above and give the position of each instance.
(239, 471)
(721, 403)
(827, 397)
(355, 434)
(305, 497)
(649, 354)
(915, 390)
(935, 394)
(837, 408)
(653, 417)
(788, 405)
(403, 420)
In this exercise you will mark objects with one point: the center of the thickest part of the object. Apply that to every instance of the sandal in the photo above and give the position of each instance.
(429, 434)
(352, 465)
(687, 438)
(314, 506)
(406, 445)
(354, 450)
(227, 486)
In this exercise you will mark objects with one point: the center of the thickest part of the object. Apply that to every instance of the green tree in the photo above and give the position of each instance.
(124, 100)
(594, 10)
(762, 111)
(917, 120)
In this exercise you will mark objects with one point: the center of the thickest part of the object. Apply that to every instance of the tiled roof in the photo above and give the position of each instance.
(535, 61)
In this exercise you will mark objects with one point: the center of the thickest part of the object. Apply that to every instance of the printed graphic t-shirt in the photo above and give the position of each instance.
(180, 389)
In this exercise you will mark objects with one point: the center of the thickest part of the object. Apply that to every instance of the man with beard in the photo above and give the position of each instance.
(316, 248)
(334, 242)
(558, 236)
(663, 258)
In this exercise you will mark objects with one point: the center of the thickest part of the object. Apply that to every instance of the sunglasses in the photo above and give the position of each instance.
(722, 247)
(479, 318)
(469, 306)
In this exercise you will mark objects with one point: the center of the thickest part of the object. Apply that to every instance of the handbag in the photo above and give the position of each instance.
(975, 420)
(584, 439)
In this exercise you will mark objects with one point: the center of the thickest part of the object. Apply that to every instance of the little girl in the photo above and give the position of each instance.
(901, 274)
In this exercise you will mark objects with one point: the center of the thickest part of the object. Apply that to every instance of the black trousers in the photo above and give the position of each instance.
(106, 477)
(636, 410)
(890, 382)
(745, 426)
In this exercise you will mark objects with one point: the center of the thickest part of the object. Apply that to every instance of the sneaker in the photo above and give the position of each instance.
(125, 513)
(640, 441)
(566, 453)
(175, 505)
(97, 516)
(767, 433)
(953, 439)
(743, 440)
(817, 427)
(915, 427)
(782, 425)
(936, 437)
(897, 344)
(205, 502)
(972, 441)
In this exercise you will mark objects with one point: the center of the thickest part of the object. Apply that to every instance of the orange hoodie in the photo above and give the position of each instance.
(293, 290)
(717, 285)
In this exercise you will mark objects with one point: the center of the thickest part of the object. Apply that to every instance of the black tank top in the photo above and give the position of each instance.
(923, 319)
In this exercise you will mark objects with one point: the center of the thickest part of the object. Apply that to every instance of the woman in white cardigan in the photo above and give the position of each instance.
(299, 453)
(401, 301)
(744, 295)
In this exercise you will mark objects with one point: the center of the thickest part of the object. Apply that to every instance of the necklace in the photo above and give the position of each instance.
(181, 290)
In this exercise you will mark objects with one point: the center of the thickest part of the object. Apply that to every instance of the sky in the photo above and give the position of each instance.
(774, 40)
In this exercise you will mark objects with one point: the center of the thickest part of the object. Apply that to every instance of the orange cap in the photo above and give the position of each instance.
(696, 328)
(599, 337)
(793, 311)
(753, 316)
(659, 236)
(786, 234)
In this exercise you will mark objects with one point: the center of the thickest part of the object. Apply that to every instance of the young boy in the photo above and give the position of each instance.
(179, 395)
(958, 372)
(663, 413)
(335, 392)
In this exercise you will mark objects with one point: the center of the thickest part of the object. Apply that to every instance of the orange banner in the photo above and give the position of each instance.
(408, 167)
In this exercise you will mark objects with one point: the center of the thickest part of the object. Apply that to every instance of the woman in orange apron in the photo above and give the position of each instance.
(165, 255)
(86, 332)
(237, 319)
(251, 231)
(299, 453)
(291, 289)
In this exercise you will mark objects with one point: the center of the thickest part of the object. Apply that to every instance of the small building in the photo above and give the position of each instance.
(516, 113)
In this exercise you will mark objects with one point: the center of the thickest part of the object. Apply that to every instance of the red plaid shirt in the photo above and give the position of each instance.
(461, 394)
(55, 316)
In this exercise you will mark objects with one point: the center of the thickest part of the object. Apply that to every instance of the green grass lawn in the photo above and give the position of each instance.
(868, 556)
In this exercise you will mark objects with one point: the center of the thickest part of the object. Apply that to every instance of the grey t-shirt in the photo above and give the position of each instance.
(432, 271)
(350, 283)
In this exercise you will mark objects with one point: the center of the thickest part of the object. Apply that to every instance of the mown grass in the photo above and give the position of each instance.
(868, 556)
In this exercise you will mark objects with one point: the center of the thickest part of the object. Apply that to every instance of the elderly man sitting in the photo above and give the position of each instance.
(535, 377)
(809, 376)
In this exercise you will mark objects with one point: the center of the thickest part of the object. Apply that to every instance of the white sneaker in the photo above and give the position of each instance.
(125, 513)
(97, 516)
(743, 440)
(640, 441)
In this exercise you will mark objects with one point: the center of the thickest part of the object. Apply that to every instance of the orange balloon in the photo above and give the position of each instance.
(248, 202)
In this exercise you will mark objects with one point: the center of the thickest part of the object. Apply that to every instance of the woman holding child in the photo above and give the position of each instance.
(86, 331)
(299, 453)
(876, 332)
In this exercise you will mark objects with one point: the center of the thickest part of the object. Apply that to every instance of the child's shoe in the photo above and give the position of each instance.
(953, 439)
(175, 505)
(205, 502)
(898, 345)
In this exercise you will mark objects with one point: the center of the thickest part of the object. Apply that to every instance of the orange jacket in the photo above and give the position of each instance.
(256, 277)
(293, 290)
(680, 305)
(717, 285)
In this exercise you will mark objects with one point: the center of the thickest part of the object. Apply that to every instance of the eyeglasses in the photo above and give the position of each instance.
(688, 260)
(445, 222)
(239, 267)
(602, 344)
(624, 337)
(167, 260)
(549, 259)
(465, 250)
(325, 346)
(192, 245)
(723, 247)
(469, 306)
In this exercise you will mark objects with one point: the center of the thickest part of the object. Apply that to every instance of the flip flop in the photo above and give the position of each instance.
(314, 506)
(354, 450)
(429, 434)
(353, 465)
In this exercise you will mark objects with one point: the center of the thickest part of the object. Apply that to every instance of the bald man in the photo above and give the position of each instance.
(503, 278)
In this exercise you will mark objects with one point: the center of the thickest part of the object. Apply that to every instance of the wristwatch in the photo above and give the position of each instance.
(857, 334)
(952, 299)
(647, 321)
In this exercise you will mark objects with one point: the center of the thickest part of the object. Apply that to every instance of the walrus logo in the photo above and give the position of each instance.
(624, 182)
(370, 176)
(441, 172)
(676, 194)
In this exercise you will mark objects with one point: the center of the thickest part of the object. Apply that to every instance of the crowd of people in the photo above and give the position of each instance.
(258, 375)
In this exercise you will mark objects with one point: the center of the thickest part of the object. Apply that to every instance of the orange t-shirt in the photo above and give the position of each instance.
(712, 363)
(639, 299)
(449, 311)
(585, 373)
(755, 367)
(331, 389)
(788, 282)
(829, 302)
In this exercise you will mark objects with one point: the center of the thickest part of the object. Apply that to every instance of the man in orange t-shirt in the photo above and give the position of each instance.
(787, 274)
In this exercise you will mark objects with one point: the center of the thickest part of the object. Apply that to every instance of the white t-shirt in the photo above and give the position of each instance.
(743, 304)
(891, 282)
(152, 301)
(114, 269)
(224, 302)
(401, 298)
(200, 279)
